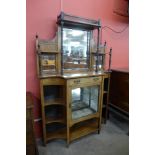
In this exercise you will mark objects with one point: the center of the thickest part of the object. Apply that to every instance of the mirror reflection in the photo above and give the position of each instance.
(75, 48)
(84, 101)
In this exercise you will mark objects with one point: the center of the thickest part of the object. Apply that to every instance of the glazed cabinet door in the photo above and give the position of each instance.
(84, 101)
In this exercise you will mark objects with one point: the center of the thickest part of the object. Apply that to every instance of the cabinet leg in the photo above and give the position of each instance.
(98, 131)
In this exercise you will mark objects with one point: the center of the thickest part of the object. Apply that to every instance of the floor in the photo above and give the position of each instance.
(113, 140)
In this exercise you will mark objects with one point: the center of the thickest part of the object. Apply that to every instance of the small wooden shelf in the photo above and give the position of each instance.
(84, 130)
(61, 133)
(58, 101)
(54, 120)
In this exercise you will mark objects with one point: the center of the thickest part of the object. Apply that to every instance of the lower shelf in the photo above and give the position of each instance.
(57, 120)
(84, 129)
(55, 131)
(59, 134)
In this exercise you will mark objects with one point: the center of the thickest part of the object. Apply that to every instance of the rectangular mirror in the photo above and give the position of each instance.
(76, 49)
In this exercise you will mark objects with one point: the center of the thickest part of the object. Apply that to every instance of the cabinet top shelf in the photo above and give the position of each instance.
(78, 22)
(59, 101)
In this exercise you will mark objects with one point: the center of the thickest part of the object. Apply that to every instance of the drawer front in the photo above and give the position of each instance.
(79, 81)
(53, 81)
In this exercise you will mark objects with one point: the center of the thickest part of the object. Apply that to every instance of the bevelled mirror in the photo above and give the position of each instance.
(76, 49)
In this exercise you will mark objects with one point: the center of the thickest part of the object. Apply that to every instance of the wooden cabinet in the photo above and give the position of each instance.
(119, 90)
(71, 108)
(71, 72)
(31, 148)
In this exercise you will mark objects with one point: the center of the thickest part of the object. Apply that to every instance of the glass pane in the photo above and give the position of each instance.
(47, 63)
(84, 101)
(75, 48)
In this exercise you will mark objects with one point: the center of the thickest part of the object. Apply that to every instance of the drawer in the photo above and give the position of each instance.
(79, 81)
(53, 81)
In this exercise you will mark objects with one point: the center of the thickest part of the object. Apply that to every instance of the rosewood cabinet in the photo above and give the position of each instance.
(119, 90)
(71, 68)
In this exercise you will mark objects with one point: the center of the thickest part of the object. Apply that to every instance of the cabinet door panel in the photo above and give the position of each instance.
(84, 102)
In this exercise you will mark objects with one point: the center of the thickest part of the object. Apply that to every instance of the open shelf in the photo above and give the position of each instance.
(61, 133)
(53, 95)
(53, 120)
(55, 131)
(54, 114)
(83, 128)
(57, 101)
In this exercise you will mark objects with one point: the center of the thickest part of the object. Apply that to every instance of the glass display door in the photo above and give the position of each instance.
(84, 101)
